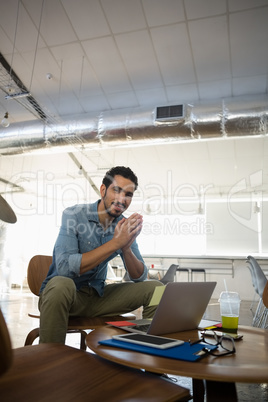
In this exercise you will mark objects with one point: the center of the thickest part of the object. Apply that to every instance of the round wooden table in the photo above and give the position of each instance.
(249, 363)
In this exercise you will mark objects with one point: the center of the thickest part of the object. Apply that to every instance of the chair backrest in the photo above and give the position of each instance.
(170, 274)
(253, 275)
(5, 346)
(37, 271)
(261, 279)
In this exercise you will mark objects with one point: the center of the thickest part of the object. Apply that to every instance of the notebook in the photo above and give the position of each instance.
(181, 308)
(186, 352)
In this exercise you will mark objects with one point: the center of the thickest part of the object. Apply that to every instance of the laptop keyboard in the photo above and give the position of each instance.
(143, 327)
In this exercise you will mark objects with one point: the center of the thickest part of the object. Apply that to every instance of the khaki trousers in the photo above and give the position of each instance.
(60, 299)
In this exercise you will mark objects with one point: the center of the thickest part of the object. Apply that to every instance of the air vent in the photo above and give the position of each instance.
(169, 112)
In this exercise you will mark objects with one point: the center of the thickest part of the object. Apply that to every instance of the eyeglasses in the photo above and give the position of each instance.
(226, 343)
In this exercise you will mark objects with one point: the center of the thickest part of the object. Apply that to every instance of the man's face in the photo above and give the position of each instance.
(118, 196)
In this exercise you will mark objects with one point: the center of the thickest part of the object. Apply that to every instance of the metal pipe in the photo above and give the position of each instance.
(234, 117)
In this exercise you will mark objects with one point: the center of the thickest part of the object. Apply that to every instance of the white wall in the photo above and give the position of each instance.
(231, 231)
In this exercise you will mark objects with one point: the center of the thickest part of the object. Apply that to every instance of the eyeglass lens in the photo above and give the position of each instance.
(225, 342)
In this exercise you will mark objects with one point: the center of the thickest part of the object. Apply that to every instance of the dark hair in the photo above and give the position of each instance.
(126, 172)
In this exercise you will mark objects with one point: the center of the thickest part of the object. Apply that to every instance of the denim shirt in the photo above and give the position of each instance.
(79, 233)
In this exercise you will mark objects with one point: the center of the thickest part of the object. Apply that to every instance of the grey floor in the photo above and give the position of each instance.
(16, 304)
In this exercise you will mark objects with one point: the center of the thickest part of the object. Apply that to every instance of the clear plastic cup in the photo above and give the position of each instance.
(230, 307)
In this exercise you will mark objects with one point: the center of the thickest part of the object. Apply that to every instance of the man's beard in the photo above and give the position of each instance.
(110, 213)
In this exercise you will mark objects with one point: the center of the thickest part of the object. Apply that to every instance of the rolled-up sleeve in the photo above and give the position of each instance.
(67, 252)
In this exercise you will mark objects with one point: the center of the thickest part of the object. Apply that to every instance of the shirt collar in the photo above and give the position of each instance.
(92, 213)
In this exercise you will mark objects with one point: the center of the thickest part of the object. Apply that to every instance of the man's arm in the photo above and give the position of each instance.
(125, 233)
(94, 257)
(134, 265)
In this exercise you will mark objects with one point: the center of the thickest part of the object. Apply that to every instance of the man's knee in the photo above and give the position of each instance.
(147, 288)
(152, 284)
(59, 288)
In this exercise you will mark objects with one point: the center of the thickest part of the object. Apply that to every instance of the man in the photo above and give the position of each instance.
(90, 236)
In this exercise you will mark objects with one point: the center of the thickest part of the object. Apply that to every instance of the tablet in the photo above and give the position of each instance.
(153, 341)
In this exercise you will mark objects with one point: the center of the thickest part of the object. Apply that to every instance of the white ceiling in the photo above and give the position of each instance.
(114, 54)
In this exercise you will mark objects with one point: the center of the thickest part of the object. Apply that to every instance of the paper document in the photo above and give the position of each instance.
(158, 293)
(209, 324)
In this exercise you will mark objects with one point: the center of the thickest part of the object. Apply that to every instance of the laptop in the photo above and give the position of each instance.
(181, 308)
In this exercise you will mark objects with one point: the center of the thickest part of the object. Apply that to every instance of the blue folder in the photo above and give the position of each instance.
(184, 352)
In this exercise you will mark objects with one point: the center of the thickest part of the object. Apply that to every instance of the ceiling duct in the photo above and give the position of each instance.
(235, 117)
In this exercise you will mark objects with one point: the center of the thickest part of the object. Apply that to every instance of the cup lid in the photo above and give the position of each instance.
(229, 296)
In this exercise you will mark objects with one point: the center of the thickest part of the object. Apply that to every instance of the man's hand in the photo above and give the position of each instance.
(125, 233)
(127, 230)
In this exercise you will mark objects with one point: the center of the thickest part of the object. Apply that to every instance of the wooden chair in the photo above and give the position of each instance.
(265, 295)
(55, 372)
(264, 312)
(37, 271)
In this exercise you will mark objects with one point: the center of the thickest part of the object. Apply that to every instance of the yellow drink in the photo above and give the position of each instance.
(229, 322)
